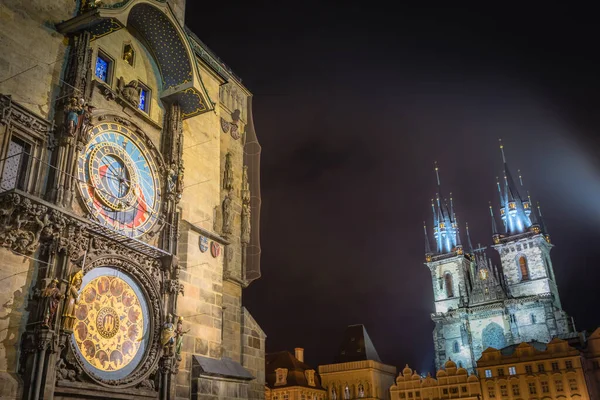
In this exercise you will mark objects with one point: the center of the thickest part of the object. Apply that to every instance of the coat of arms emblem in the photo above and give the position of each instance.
(215, 249)
(203, 243)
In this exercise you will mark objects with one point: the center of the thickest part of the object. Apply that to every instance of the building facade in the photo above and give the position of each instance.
(479, 305)
(358, 371)
(130, 205)
(533, 370)
(288, 377)
(449, 383)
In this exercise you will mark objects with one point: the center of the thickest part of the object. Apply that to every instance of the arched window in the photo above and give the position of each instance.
(455, 347)
(533, 318)
(449, 290)
(493, 336)
(524, 269)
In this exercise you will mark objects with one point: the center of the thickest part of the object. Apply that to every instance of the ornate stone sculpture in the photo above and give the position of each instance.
(179, 332)
(52, 297)
(227, 214)
(246, 228)
(228, 174)
(168, 335)
(245, 192)
(74, 109)
(130, 91)
(72, 301)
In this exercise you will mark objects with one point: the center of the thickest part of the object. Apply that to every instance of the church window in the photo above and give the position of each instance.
(491, 392)
(449, 290)
(573, 384)
(103, 67)
(493, 336)
(541, 368)
(528, 369)
(533, 320)
(559, 385)
(488, 373)
(512, 371)
(503, 391)
(500, 371)
(545, 387)
(516, 391)
(524, 269)
(532, 388)
(555, 366)
(16, 165)
(569, 364)
(455, 347)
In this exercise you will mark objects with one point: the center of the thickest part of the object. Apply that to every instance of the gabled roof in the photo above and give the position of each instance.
(296, 370)
(356, 346)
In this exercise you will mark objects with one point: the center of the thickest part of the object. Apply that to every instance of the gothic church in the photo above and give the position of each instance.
(479, 305)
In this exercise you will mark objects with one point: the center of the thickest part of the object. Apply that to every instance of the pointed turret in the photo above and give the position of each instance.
(514, 210)
(428, 251)
(445, 229)
(469, 244)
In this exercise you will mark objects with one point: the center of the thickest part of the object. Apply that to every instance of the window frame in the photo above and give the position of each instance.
(488, 373)
(512, 370)
(148, 90)
(101, 53)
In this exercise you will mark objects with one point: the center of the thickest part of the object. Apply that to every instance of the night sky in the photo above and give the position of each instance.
(352, 106)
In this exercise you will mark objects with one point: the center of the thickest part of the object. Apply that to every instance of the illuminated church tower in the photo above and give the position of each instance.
(477, 304)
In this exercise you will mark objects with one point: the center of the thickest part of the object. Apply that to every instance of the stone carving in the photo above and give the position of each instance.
(72, 301)
(52, 297)
(63, 372)
(227, 215)
(245, 192)
(13, 112)
(73, 110)
(245, 236)
(168, 336)
(225, 125)
(130, 91)
(128, 54)
(179, 332)
(228, 174)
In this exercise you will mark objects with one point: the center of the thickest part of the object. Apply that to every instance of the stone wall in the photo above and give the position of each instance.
(456, 267)
(253, 348)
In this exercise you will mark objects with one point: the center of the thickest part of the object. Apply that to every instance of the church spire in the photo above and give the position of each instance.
(427, 245)
(445, 229)
(470, 248)
(514, 210)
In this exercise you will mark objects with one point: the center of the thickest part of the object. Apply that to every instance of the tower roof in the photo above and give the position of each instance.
(356, 346)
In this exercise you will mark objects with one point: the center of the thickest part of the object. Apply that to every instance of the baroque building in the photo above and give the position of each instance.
(480, 305)
(288, 377)
(130, 203)
(449, 383)
(358, 371)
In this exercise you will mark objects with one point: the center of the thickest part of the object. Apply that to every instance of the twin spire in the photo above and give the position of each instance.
(515, 212)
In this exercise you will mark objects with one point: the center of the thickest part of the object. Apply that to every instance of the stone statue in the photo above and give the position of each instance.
(227, 215)
(179, 332)
(172, 176)
(52, 297)
(167, 336)
(228, 174)
(130, 91)
(245, 186)
(246, 228)
(72, 300)
(128, 55)
(74, 109)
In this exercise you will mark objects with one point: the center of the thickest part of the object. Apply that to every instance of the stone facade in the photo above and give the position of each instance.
(449, 383)
(76, 76)
(533, 370)
(290, 378)
(479, 305)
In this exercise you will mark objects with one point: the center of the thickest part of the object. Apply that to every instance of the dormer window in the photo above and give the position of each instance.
(281, 376)
(310, 377)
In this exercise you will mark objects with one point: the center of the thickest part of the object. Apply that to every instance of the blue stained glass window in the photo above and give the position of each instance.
(101, 68)
(143, 99)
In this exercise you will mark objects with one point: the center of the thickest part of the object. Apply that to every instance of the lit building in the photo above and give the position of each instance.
(289, 378)
(358, 371)
(129, 207)
(477, 304)
(449, 383)
(591, 354)
(533, 370)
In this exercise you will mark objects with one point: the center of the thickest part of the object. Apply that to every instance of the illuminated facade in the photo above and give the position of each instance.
(288, 377)
(477, 304)
(533, 370)
(129, 207)
(450, 382)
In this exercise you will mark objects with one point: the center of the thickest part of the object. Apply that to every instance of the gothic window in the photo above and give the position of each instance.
(16, 163)
(493, 336)
(533, 321)
(455, 347)
(103, 67)
(449, 290)
(523, 268)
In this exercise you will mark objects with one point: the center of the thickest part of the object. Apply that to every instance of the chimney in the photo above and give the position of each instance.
(299, 353)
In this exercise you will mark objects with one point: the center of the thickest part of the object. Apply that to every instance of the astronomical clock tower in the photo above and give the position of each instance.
(130, 204)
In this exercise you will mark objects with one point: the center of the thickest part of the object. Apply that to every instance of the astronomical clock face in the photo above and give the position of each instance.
(112, 324)
(118, 180)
